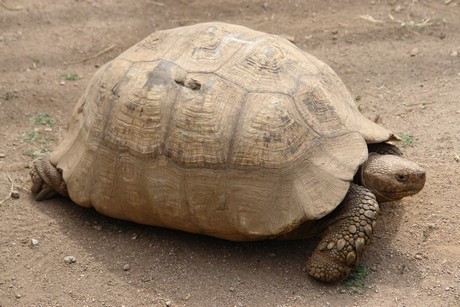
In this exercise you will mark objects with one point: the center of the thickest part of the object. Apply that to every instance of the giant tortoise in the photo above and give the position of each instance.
(220, 130)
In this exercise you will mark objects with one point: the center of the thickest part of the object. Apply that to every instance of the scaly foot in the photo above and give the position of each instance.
(47, 181)
(348, 233)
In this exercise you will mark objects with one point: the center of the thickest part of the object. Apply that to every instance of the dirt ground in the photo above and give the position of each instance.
(398, 58)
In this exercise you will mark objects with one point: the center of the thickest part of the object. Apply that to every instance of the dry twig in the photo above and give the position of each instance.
(370, 18)
(11, 188)
(419, 104)
(91, 56)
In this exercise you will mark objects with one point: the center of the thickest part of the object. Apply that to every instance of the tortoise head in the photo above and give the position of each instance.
(391, 177)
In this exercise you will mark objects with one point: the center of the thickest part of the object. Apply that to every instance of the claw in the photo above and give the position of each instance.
(45, 193)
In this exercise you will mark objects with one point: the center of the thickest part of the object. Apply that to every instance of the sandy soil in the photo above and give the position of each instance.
(398, 58)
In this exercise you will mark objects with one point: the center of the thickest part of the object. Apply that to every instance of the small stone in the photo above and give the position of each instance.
(398, 8)
(62, 83)
(413, 52)
(17, 295)
(168, 303)
(15, 194)
(70, 259)
(2, 155)
(454, 53)
(34, 243)
(126, 267)
(418, 257)
(231, 289)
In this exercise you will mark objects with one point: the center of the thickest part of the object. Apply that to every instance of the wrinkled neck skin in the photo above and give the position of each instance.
(391, 177)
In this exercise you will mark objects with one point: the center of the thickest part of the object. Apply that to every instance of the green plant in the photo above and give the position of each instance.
(43, 119)
(356, 281)
(31, 153)
(406, 139)
(35, 153)
(32, 136)
(417, 26)
(37, 137)
(40, 135)
(72, 76)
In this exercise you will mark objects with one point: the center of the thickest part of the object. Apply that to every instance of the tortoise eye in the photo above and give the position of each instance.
(400, 177)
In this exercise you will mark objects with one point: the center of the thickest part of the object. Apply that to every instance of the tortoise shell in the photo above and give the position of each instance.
(215, 129)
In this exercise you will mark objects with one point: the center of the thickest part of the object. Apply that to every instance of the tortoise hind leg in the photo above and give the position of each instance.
(47, 180)
(347, 233)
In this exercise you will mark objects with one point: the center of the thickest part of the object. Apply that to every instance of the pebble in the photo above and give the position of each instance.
(168, 303)
(2, 155)
(454, 53)
(398, 8)
(126, 267)
(15, 194)
(18, 295)
(414, 51)
(418, 257)
(70, 259)
(34, 243)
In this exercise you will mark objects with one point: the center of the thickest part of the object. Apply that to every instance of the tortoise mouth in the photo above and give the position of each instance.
(395, 196)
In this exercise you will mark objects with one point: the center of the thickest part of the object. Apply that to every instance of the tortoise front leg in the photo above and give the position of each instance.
(348, 232)
(47, 180)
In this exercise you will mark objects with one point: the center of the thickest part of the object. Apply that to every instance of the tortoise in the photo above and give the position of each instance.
(221, 130)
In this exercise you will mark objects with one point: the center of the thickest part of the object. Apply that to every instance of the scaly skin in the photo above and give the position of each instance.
(347, 234)
(47, 181)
